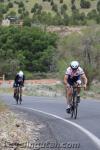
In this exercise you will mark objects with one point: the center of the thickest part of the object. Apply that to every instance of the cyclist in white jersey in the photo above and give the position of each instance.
(73, 74)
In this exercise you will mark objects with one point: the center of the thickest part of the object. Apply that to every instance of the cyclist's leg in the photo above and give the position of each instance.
(78, 89)
(20, 93)
(16, 94)
(70, 90)
(69, 96)
(15, 91)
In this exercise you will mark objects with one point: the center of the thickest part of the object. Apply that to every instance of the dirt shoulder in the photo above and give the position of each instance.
(16, 132)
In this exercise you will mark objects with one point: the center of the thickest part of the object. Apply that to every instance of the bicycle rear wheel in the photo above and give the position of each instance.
(17, 98)
(74, 107)
(20, 95)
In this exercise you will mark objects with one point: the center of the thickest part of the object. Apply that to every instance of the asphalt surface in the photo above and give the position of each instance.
(59, 130)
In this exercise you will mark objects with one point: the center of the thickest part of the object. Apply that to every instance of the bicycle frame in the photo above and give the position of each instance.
(74, 106)
(18, 94)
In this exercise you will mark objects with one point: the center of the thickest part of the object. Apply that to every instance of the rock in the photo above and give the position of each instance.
(17, 125)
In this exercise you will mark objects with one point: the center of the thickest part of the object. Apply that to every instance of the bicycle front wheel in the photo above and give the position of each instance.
(75, 111)
(74, 108)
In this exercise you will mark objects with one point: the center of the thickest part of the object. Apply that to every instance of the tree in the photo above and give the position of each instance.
(66, 19)
(36, 5)
(10, 5)
(20, 11)
(61, 1)
(85, 4)
(27, 22)
(82, 19)
(92, 14)
(64, 6)
(9, 67)
(1, 1)
(45, 18)
(36, 9)
(3, 9)
(73, 7)
(39, 9)
(32, 48)
(98, 6)
(63, 9)
(55, 7)
(1, 18)
(72, 1)
(52, 2)
(25, 13)
(21, 4)
(74, 19)
(98, 19)
(57, 20)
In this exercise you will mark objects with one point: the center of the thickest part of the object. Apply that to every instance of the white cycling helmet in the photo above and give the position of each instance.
(74, 64)
(20, 73)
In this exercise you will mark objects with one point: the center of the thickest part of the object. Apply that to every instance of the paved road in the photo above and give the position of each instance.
(85, 131)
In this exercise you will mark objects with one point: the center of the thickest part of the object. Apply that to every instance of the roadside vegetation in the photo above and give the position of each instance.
(83, 47)
(45, 55)
(29, 49)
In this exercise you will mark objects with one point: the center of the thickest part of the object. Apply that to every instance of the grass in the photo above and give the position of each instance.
(95, 89)
(93, 92)
(44, 90)
(6, 90)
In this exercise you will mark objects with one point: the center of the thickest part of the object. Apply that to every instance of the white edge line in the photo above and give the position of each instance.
(88, 133)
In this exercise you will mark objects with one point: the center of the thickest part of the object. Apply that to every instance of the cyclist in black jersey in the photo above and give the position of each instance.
(19, 81)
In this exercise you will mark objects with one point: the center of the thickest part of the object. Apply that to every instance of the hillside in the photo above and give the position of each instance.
(47, 6)
(47, 11)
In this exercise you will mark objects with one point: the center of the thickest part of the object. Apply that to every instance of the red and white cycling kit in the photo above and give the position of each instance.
(74, 76)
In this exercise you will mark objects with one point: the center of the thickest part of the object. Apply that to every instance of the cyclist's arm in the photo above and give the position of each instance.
(15, 81)
(65, 79)
(16, 78)
(84, 78)
(23, 78)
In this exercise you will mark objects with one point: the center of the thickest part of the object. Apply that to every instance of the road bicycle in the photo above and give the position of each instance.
(18, 95)
(75, 101)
